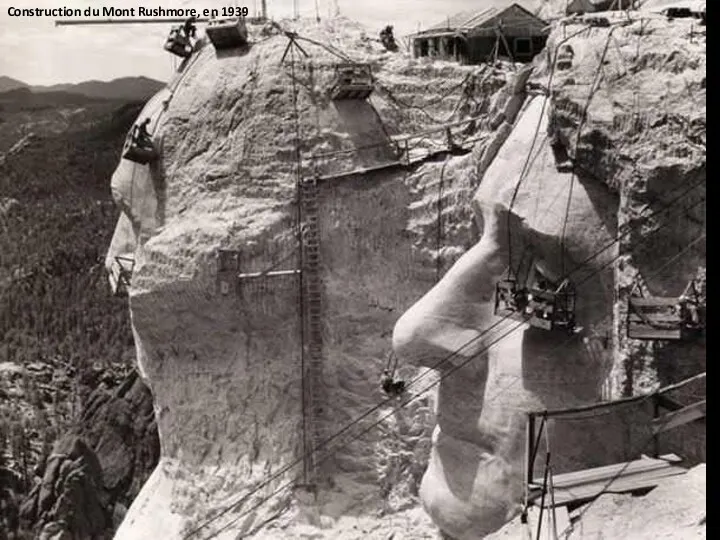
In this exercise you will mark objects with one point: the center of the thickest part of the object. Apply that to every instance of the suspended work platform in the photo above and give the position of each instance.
(137, 150)
(662, 318)
(227, 33)
(228, 268)
(540, 307)
(408, 149)
(120, 275)
(352, 81)
(510, 300)
(420, 146)
(177, 43)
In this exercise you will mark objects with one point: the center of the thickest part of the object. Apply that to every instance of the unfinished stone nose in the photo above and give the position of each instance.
(456, 310)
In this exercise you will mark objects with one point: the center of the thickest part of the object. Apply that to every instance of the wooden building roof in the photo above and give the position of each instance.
(485, 21)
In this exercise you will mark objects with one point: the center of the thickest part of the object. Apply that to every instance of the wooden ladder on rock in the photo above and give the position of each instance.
(313, 318)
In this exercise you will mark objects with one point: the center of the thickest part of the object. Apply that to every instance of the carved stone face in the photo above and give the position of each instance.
(474, 482)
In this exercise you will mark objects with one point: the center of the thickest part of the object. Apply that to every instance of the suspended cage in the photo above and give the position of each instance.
(663, 318)
(138, 151)
(352, 81)
(565, 57)
(552, 310)
(177, 43)
(227, 33)
(228, 268)
(120, 275)
(510, 300)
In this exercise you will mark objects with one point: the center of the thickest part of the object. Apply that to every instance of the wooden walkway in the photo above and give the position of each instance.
(411, 149)
(626, 477)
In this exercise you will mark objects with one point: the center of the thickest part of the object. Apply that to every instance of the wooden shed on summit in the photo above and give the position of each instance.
(480, 36)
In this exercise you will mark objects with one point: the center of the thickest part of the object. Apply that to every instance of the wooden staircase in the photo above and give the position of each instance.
(313, 319)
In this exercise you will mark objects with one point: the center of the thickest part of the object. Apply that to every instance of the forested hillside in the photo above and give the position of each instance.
(57, 220)
(65, 341)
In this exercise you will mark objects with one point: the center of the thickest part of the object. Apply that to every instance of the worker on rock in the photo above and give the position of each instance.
(388, 39)
(142, 136)
(391, 386)
(688, 312)
(506, 300)
(189, 28)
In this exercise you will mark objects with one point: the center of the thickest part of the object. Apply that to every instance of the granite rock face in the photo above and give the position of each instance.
(630, 120)
(416, 249)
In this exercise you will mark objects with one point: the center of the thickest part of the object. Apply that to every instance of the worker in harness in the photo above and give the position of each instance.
(388, 39)
(189, 28)
(391, 386)
(142, 137)
(688, 312)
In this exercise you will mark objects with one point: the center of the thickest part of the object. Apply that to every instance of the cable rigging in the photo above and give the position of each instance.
(389, 363)
(581, 124)
(438, 257)
(434, 367)
(580, 265)
(526, 164)
(541, 305)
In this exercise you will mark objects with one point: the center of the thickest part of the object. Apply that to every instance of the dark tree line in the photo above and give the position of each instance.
(57, 219)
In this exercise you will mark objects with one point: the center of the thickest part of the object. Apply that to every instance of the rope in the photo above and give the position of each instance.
(330, 49)
(527, 163)
(441, 97)
(400, 104)
(542, 497)
(665, 265)
(551, 485)
(583, 119)
(438, 260)
(324, 443)
(405, 403)
(618, 256)
(391, 364)
(612, 480)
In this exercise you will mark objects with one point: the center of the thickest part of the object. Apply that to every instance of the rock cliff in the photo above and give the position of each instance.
(86, 484)
(631, 120)
(399, 249)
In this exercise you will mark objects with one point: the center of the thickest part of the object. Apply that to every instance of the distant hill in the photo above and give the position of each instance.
(8, 83)
(124, 88)
(48, 104)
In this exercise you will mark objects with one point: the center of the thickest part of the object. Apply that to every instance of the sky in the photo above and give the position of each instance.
(35, 51)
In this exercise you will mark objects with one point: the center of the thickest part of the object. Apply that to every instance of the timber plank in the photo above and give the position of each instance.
(655, 301)
(679, 417)
(608, 471)
(622, 484)
(639, 330)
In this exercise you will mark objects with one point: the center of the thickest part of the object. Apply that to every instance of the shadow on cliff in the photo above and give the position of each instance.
(454, 393)
(667, 261)
(234, 52)
(605, 202)
(359, 120)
